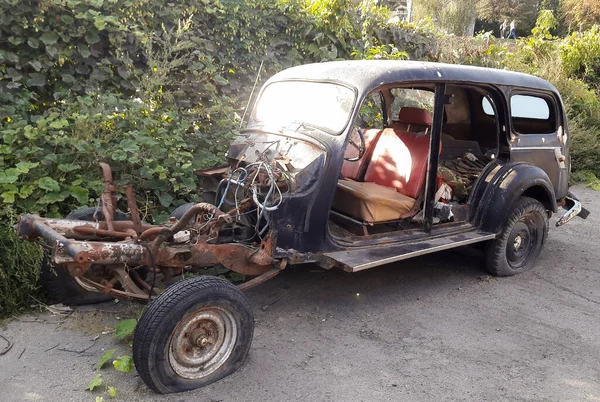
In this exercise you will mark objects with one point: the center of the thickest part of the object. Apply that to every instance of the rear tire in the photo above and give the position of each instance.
(521, 241)
(195, 333)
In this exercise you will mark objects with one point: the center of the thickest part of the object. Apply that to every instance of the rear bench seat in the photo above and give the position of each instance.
(394, 174)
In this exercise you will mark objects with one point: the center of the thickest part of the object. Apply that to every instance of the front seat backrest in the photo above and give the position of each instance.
(399, 161)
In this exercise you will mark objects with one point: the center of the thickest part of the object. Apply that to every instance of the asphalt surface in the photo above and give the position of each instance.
(432, 328)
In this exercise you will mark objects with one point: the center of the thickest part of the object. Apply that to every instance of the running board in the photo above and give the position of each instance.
(365, 258)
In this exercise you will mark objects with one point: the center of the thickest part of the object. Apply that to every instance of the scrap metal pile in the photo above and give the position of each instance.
(124, 258)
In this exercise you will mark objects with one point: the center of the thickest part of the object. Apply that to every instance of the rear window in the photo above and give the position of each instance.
(532, 115)
(408, 97)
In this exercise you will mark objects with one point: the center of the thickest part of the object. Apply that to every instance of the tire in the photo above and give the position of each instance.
(182, 209)
(62, 287)
(521, 240)
(205, 308)
(87, 214)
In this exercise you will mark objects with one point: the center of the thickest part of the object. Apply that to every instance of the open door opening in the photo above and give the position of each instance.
(382, 188)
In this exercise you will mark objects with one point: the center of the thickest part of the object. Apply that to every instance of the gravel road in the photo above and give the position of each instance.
(432, 328)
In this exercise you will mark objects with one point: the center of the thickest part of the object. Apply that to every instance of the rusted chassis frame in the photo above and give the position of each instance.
(71, 250)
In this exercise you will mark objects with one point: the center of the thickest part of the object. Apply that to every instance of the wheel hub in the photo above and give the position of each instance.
(202, 342)
(521, 241)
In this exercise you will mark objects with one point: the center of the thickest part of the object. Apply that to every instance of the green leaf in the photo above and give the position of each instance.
(100, 23)
(96, 382)
(49, 38)
(25, 167)
(125, 328)
(68, 167)
(60, 123)
(82, 195)
(112, 391)
(123, 363)
(84, 51)
(92, 37)
(37, 66)
(9, 176)
(48, 183)
(165, 199)
(122, 71)
(129, 146)
(26, 191)
(15, 40)
(105, 357)
(8, 196)
(220, 80)
(67, 19)
(68, 78)
(51, 51)
(53, 197)
(36, 80)
(33, 43)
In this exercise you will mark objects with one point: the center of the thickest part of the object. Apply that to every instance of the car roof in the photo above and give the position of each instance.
(367, 75)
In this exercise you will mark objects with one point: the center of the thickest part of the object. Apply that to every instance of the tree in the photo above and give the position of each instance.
(455, 16)
(524, 12)
(581, 13)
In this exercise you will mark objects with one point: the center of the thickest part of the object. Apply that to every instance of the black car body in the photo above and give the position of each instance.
(526, 143)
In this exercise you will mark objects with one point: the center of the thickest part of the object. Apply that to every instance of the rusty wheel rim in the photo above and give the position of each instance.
(202, 342)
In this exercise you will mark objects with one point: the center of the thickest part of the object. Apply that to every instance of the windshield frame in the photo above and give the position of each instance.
(310, 124)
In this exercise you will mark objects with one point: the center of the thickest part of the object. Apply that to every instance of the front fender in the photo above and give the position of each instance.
(499, 188)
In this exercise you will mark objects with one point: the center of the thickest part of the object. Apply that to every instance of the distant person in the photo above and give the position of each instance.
(503, 28)
(513, 31)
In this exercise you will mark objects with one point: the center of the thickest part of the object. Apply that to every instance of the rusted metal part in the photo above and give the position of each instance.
(213, 171)
(152, 232)
(259, 279)
(119, 294)
(195, 210)
(133, 209)
(66, 227)
(89, 230)
(98, 252)
(107, 198)
(264, 254)
(138, 279)
(235, 257)
(125, 280)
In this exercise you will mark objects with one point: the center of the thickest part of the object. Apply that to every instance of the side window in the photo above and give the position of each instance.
(370, 114)
(487, 106)
(408, 97)
(532, 115)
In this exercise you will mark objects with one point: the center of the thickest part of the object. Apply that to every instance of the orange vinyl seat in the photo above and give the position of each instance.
(394, 177)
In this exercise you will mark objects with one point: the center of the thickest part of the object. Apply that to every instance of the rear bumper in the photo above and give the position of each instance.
(574, 208)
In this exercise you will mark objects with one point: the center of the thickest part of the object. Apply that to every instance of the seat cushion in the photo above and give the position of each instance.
(370, 202)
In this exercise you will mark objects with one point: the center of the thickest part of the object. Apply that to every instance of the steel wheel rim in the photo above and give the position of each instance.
(202, 342)
(522, 240)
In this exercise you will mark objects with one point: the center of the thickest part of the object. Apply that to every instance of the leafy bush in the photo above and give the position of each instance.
(20, 263)
(581, 55)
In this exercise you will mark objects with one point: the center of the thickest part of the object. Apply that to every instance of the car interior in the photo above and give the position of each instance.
(383, 189)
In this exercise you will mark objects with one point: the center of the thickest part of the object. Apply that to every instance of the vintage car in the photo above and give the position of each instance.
(349, 164)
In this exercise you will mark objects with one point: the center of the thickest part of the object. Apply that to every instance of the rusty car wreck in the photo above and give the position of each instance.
(350, 164)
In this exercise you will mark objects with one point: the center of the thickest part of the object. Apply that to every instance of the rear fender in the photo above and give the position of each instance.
(499, 188)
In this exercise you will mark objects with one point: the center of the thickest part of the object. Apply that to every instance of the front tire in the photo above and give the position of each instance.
(195, 333)
(521, 241)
